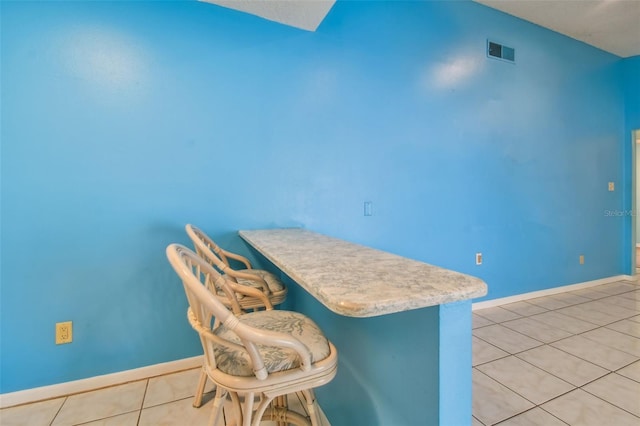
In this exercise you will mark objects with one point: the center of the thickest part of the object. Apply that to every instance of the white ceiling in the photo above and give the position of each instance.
(305, 14)
(611, 25)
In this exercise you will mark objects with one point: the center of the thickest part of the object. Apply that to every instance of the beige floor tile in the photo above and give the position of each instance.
(548, 302)
(100, 404)
(523, 308)
(615, 309)
(38, 413)
(583, 409)
(176, 413)
(586, 312)
(497, 314)
(590, 293)
(173, 387)
(479, 321)
(608, 317)
(505, 338)
(634, 295)
(614, 339)
(617, 287)
(563, 365)
(629, 327)
(623, 302)
(525, 379)
(534, 417)
(493, 402)
(631, 371)
(564, 322)
(537, 330)
(128, 419)
(619, 391)
(595, 352)
(485, 352)
(571, 299)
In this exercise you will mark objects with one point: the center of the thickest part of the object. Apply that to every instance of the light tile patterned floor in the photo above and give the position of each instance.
(568, 359)
(159, 401)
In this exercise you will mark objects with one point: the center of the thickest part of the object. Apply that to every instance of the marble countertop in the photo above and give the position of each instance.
(358, 281)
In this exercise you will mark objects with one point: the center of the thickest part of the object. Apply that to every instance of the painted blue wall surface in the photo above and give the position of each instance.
(631, 70)
(402, 353)
(455, 399)
(122, 121)
(631, 83)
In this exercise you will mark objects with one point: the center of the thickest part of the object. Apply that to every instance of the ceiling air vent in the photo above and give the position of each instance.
(499, 51)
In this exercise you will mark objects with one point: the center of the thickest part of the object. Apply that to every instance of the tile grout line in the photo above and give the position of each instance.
(526, 411)
(612, 331)
(144, 396)
(59, 409)
(602, 399)
(574, 387)
(562, 350)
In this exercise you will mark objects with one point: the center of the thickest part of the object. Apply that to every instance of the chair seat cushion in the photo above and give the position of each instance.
(236, 362)
(274, 284)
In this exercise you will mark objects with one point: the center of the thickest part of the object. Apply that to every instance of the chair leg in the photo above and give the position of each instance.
(218, 403)
(247, 410)
(312, 406)
(265, 401)
(236, 407)
(202, 383)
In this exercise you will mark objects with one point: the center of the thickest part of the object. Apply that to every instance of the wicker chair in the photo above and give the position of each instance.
(254, 288)
(255, 358)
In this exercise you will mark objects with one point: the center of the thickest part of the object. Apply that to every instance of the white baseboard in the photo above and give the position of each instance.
(555, 290)
(97, 382)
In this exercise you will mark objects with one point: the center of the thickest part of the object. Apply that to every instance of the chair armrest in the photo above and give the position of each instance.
(252, 292)
(237, 257)
(250, 337)
(220, 283)
(250, 277)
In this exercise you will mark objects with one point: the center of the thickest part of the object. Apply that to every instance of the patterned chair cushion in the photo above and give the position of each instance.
(237, 362)
(274, 284)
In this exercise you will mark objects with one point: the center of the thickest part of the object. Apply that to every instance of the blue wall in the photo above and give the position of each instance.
(631, 79)
(631, 73)
(123, 121)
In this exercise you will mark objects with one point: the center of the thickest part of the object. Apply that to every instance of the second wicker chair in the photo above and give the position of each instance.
(253, 289)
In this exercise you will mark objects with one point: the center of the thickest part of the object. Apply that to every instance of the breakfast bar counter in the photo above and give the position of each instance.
(358, 281)
(402, 327)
